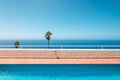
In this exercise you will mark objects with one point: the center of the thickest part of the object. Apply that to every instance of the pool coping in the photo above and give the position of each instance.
(59, 61)
(34, 60)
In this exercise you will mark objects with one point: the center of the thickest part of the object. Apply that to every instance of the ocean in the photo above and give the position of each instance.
(63, 44)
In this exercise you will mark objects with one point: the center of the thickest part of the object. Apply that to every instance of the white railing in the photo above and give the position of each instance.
(64, 46)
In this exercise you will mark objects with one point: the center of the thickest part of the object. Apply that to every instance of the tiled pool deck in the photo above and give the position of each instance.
(39, 56)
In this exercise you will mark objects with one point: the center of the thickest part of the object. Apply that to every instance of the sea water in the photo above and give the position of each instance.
(64, 44)
(60, 72)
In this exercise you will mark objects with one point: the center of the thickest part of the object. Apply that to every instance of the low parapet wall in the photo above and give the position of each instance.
(59, 56)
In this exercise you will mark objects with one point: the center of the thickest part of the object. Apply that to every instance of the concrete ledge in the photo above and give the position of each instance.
(59, 61)
(59, 56)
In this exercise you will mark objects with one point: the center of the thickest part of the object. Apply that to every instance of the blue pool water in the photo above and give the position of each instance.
(64, 44)
(60, 72)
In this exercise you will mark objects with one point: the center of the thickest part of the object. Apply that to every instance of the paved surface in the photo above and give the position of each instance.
(59, 61)
(59, 56)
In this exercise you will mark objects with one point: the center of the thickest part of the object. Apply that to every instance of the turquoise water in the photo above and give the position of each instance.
(60, 72)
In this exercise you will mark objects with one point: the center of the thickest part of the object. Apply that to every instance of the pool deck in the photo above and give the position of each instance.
(39, 56)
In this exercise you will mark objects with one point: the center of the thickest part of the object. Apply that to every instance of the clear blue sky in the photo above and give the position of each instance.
(66, 19)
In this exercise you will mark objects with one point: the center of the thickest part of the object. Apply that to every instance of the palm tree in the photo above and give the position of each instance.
(16, 44)
(47, 36)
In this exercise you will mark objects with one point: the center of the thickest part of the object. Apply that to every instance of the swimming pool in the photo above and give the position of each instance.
(60, 72)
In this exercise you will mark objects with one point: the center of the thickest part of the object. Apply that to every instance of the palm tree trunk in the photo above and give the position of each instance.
(48, 44)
